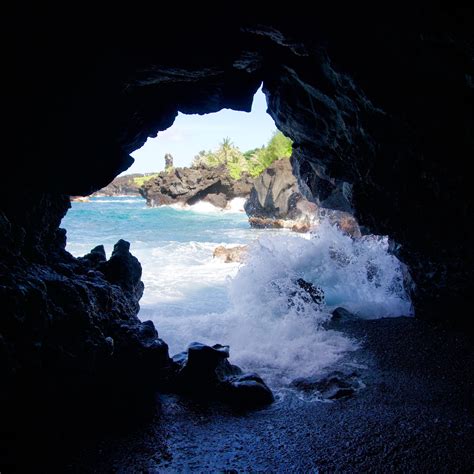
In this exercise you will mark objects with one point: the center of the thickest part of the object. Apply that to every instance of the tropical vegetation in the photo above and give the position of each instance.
(141, 180)
(252, 162)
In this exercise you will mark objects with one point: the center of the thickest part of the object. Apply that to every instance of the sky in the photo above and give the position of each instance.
(192, 133)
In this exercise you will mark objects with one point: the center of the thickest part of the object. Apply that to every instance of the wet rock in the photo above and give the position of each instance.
(314, 293)
(306, 293)
(231, 254)
(338, 317)
(204, 372)
(332, 386)
(342, 314)
(198, 365)
(303, 226)
(344, 221)
(247, 390)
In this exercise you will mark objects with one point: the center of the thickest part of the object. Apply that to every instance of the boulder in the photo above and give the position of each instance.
(344, 221)
(342, 314)
(332, 386)
(231, 254)
(339, 316)
(204, 372)
(304, 293)
(246, 391)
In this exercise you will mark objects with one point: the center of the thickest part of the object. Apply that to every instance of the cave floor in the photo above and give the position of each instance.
(416, 413)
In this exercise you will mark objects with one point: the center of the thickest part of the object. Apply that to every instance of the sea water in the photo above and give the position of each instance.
(255, 307)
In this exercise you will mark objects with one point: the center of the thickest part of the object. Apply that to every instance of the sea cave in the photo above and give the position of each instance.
(378, 107)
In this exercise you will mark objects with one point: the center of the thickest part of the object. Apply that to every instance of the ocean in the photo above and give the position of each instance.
(254, 307)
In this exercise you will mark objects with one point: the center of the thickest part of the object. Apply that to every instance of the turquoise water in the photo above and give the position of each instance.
(192, 296)
(104, 220)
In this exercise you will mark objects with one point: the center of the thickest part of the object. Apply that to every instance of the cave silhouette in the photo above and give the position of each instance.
(379, 106)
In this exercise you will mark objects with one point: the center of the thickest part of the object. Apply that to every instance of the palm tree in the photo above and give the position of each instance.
(226, 148)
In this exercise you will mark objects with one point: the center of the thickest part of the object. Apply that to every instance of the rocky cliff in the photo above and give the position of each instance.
(127, 185)
(276, 201)
(190, 185)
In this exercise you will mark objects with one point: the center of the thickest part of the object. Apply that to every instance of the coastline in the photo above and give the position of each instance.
(415, 414)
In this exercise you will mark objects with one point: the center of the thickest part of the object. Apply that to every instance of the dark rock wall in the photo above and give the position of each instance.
(384, 125)
(68, 326)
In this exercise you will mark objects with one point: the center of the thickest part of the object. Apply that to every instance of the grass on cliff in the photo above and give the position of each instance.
(141, 180)
(252, 162)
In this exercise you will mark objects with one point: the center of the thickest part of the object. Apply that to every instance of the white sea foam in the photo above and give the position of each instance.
(115, 201)
(192, 296)
(235, 205)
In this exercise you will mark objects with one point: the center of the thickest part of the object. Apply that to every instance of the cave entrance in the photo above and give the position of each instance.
(210, 276)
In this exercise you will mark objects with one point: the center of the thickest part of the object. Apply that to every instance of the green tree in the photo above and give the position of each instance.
(260, 159)
(252, 162)
(226, 149)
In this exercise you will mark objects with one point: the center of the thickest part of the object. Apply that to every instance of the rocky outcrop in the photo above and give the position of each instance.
(70, 322)
(344, 221)
(333, 386)
(190, 185)
(204, 372)
(275, 200)
(124, 185)
(231, 254)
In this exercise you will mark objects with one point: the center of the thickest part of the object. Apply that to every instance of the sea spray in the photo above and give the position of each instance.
(358, 274)
(193, 297)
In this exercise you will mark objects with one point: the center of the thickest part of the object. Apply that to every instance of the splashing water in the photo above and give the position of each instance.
(257, 308)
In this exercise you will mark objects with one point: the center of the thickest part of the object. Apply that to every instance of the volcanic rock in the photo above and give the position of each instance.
(275, 200)
(332, 386)
(231, 254)
(204, 372)
(190, 185)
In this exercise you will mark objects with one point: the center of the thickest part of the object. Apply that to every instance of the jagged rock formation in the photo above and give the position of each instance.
(276, 201)
(168, 162)
(205, 372)
(190, 185)
(123, 186)
(69, 314)
(68, 325)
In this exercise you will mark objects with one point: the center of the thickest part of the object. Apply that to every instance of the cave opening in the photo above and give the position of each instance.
(227, 240)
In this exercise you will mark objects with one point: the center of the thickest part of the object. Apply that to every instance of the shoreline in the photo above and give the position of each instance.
(415, 413)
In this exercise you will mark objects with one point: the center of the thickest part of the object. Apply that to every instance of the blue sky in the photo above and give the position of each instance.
(191, 133)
